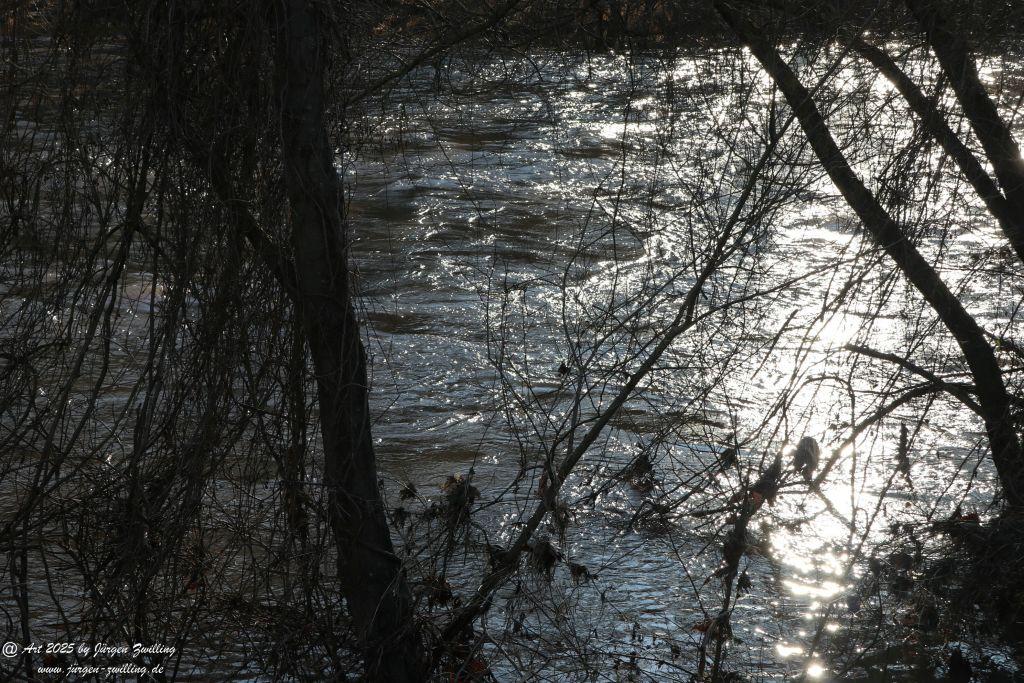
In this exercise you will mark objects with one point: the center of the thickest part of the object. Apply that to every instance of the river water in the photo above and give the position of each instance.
(533, 210)
(526, 212)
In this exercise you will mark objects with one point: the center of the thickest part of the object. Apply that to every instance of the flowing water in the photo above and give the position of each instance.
(528, 212)
(498, 218)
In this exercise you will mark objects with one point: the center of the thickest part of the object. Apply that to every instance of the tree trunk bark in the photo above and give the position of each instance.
(1010, 220)
(993, 133)
(980, 358)
(371, 575)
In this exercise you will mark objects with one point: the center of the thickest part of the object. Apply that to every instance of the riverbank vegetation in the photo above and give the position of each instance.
(520, 340)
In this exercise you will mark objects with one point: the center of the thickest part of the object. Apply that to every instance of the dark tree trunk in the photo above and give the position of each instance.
(993, 133)
(977, 352)
(371, 574)
(1010, 219)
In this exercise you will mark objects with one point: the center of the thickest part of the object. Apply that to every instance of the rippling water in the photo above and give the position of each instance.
(500, 218)
(529, 212)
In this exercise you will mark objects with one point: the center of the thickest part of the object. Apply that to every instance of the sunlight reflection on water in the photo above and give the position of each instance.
(815, 554)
